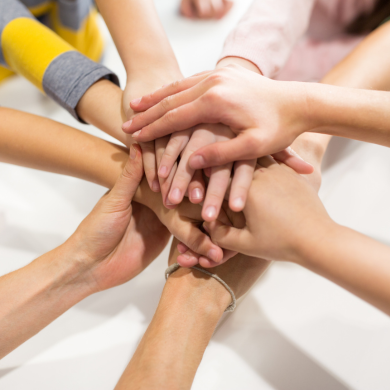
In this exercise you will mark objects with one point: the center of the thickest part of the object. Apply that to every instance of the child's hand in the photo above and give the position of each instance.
(178, 178)
(184, 222)
(137, 86)
(205, 9)
(184, 144)
(265, 115)
(283, 213)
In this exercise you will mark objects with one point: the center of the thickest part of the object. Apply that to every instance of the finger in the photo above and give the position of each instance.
(184, 172)
(180, 182)
(218, 184)
(186, 8)
(182, 248)
(188, 259)
(175, 146)
(148, 101)
(266, 161)
(196, 188)
(203, 9)
(220, 153)
(242, 179)
(126, 186)
(218, 8)
(149, 159)
(228, 237)
(159, 124)
(227, 7)
(294, 161)
(198, 241)
(160, 146)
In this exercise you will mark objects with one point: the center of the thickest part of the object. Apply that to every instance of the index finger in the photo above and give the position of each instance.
(147, 101)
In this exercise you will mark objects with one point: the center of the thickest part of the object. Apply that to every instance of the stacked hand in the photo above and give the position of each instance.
(205, 9)
(249, 105)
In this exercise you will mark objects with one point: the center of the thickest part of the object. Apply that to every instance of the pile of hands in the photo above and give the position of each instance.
(216, 145)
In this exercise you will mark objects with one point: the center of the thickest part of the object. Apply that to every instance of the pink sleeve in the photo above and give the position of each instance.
(267, 33)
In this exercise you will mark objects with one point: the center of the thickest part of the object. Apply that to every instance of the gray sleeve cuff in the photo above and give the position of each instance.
(69, 76)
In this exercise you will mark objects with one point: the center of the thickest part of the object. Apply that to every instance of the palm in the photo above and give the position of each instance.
(133, 250)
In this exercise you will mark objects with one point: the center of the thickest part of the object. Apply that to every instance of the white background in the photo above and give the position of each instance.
(295, 331)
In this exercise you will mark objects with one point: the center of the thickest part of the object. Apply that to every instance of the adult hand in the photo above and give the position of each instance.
(283, 210)
(205, 9)
(113, 242)
(266, 115)
(137, 85)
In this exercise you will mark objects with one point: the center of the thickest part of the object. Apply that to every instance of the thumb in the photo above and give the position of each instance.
(227, 237)
(243, 147)
(127, 184)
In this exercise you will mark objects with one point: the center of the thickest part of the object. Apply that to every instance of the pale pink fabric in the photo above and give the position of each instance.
(296, 39)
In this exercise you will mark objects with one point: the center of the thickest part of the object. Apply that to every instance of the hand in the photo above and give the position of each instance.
(137, 85)
(183, 222)
(205, 9)
(113, 241)
(185, 145)
(266, 115)
(283, 212)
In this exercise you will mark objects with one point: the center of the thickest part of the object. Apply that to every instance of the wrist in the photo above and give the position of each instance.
(307, 248)
(199, 293)
(238, 61)
(66, 271)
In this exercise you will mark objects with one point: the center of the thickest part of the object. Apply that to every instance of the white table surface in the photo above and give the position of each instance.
(295, 331)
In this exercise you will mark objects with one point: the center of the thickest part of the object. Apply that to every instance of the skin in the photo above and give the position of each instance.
(96, 257)
(40, 143)
(174, 331)
(205, 9)
(285, 220)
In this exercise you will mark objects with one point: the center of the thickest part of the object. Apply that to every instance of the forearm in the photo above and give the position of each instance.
(101, 106)
(41, 143)
(347, 112)
(351, 260)
(190, 307)
(173, 345)
(138, 34)
(35, 295)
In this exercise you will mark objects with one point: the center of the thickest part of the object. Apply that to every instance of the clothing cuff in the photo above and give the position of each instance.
(255, 56)
(70, 75)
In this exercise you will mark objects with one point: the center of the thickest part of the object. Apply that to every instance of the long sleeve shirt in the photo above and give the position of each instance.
(48, 57)
(271, 29)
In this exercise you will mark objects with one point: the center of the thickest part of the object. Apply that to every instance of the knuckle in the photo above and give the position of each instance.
(166, 103)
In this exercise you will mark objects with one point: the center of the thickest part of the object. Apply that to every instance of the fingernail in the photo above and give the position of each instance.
(238, 203)
(133, 152)
(137, 133)
(294, 153)
(155, 186)
(211, 212)
(197, 162)
(169, 203)
(175, 195)
(162, 172)
(181, 249)
(213, 254)
(127, 125)
(196, 194)
(136, 101)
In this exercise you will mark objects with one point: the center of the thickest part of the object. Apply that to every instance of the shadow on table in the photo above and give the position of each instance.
(338, 148)
(273, 356)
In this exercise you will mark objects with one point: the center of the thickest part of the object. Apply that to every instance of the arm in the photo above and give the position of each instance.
(148, 59)
(51, 64)
(267, 33)
(285, 220)
(81, 266)
(190, 307)
(31, 141)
